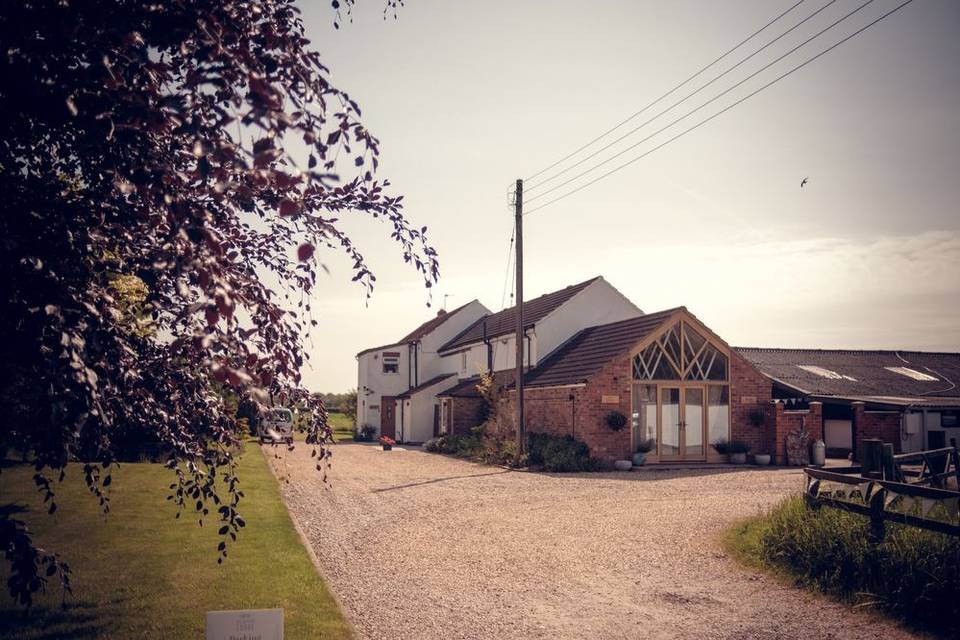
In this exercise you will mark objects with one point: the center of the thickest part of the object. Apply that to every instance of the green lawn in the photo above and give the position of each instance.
(342, 426)
(141, 573)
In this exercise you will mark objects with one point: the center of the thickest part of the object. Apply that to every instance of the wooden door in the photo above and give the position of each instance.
(436, 420)
(388, 416)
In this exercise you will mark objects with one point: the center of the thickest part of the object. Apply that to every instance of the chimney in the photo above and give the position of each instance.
(441, 312)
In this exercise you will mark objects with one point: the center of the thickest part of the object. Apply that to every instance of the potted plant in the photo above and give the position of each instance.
(736, 450)
(367, 432)
(761, 459)
(643, 448)
(616, 420)
(757, 416)
(387, 442)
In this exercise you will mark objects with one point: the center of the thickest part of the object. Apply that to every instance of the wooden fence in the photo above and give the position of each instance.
(873, 487)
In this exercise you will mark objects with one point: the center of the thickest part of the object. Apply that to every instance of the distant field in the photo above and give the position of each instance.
(141, 573)
(342, 426)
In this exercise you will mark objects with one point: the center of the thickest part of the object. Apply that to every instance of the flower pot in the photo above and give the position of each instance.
(623, 465)
(761, 459)
(639, 459)
(387, 447)
(738, 458)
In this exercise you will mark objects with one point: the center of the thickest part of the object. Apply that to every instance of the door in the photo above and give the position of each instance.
(388, 412)
(682, 424)
(436, 420)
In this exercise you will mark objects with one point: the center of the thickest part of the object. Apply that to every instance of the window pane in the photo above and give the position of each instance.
(693, 419)
(670, 430)
(718, 365)
(671, 342)
(644, 414)
(692, 342)
(718, 413)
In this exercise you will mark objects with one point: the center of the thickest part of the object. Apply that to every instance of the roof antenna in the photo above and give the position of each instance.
(445, 296)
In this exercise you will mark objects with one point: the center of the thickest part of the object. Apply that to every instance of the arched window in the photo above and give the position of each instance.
(680, 353)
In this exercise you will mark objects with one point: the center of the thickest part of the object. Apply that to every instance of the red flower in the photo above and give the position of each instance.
(387, 440)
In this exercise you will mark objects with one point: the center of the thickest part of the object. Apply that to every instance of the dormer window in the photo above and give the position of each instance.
(391, 362)
(913, 374)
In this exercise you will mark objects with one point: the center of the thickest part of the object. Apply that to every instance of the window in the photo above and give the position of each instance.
(825, 373)
(463, 361)
(718, 413)
(680, 353)
(391, 362)
(912, 373)
(644, 414)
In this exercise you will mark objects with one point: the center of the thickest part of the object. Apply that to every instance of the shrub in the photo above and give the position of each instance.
(913, 574)
(646, 446)
(432, 445)
(459, 445)
(560, 453)
(367, 432)
(734, 446)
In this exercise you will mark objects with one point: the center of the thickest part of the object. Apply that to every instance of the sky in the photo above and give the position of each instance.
(468, 96)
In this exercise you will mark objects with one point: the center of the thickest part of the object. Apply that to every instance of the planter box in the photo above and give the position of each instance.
(387, 447)
(623, 465)
(738, 458)
(761, 459)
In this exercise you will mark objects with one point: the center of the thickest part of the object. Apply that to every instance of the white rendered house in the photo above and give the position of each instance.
(411, 368)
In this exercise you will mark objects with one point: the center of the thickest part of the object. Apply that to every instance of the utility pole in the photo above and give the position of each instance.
(518, 214)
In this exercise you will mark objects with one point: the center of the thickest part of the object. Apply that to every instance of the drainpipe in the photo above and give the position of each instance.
(416, 363)
(409, 364)
(573, 415)
(486, 341)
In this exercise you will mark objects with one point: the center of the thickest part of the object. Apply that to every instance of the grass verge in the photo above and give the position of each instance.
(913, 575)
(140, 573)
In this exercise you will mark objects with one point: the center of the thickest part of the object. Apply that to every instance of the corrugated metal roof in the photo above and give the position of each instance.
(505, 322)
(590, 349)
(861, 373)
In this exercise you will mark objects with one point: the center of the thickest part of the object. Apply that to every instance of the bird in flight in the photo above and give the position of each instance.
(803, 182)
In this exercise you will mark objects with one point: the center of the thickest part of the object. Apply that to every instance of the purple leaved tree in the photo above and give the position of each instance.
(158, 240)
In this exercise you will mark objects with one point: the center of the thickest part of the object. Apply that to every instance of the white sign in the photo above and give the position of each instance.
(252, 624)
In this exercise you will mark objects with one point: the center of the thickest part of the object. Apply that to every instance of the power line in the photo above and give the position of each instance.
(682, 100)
(724, 110)
(506, 276)
(694, 110)
(667, 94)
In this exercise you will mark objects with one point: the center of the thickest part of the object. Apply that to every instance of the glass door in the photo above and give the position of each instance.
(693, 422)
(682, 422)
(671, 424)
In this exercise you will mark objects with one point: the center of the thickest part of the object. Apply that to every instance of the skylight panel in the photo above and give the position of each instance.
(825, 373)
(912, 373)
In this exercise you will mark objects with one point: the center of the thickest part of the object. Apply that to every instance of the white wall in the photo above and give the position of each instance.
(504, 356)
(598, 303)
(430, 363)
(373, 384)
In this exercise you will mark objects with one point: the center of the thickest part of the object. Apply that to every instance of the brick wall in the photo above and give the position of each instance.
(880, 424)
(465, 415)
(584, 417)
(750, 390)
(786, 421)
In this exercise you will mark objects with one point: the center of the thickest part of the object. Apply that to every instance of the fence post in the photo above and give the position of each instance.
(886, 462)
(956, 461)
(876, 516)
(871, 457)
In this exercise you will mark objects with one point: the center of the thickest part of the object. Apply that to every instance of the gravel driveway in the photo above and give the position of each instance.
(418, 546)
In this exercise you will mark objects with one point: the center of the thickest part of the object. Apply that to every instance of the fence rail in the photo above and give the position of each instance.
(877, 494)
